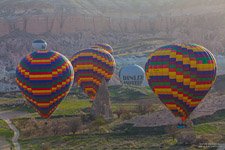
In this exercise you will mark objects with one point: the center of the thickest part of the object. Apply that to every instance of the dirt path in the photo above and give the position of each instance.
(16, 134)
(221, 147)
(6, 116)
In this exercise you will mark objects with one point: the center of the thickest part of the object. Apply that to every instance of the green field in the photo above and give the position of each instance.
(70, 106)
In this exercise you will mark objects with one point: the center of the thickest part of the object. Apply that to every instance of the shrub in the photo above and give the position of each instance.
(201, 140)
(97, 123)
(127, 115)
(46, 146)
(143, 108)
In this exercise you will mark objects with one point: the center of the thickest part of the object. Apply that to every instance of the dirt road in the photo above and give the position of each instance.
(6, 116)
(16, 134)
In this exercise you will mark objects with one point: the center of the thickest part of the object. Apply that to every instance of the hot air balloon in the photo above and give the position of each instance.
(104, 46)
(181, 75)
(90, 68)
(132, 75)
(45, 78)
(39, 44)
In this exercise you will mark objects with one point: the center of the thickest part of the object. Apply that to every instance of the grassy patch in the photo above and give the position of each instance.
(206, 128)
(69, 106)
(214, 130)
(5, 131)
(126, 106)
(127, 93)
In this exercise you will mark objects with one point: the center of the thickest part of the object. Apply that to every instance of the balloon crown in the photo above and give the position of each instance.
(39, 44)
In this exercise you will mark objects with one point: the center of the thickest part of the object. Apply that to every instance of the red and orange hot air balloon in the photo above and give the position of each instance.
(90, 68)
(45, 78)
(181, 75)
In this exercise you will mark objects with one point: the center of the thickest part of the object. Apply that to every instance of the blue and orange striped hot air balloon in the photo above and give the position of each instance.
(90, 68)
(181, 75)
(103, 46)
(45, 78)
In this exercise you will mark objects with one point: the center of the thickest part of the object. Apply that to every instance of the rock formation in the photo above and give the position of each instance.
(102, 105)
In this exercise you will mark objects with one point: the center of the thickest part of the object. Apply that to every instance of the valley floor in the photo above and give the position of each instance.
(124, 132)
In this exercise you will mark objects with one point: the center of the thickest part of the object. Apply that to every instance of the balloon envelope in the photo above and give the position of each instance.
(39, 45)
(132, 75)
(90, 68)
(45, 78)
(181, 75)
(104, 46)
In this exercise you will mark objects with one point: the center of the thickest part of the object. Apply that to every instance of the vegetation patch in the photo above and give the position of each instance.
(206, 128)
(126, 93)
(99, 141)
(5, 131)
(217, 116)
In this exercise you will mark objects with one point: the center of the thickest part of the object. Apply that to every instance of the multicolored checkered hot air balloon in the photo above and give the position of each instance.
(45, 78)
(90, 68)
(103, 46)
(181, 75)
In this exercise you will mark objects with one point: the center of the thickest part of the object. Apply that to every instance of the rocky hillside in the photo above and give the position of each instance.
(133, 27)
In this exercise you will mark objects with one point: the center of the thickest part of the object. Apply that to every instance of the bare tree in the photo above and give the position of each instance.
(75, 125)
(120, 111)
(143, 108)
(55, 125)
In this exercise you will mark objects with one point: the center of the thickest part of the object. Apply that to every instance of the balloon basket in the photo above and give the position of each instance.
(181, 126)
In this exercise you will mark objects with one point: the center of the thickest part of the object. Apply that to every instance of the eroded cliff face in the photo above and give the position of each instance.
(71, 25)
(69, 16)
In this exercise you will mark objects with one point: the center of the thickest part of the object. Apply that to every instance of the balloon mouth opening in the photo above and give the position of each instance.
(44, 116)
